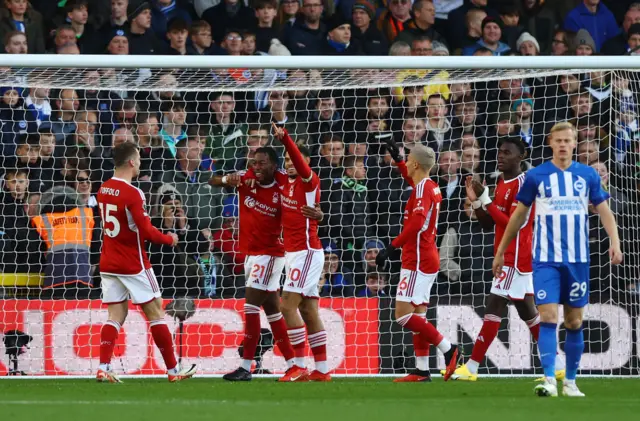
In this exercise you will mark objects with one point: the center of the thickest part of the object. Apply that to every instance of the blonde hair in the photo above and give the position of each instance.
(564, 125)
(424, 156)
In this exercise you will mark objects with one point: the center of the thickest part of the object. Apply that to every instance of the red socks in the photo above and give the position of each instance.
(486, 336)
(108, 336)
(297, 337)
(534, 327)
(419, 325)
(251, 331)
(318, 345)
(164, 342)
(280, 334)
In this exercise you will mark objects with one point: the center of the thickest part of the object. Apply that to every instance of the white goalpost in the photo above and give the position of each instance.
(197, 116)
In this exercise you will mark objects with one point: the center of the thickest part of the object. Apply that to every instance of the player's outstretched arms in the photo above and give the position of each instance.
(230, 180)
(515, 223)
(314, 212)
(610, 226)
(300, 164)
(479, 197)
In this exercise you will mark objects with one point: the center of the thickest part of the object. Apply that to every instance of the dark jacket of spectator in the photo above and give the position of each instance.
(387, 193)
(412, 31)
(12, 123)
(330, 48)
(146, 44)
(14, 234)
(372, 41)
(160, 18)
(34, 29)
(541, 22)
(601, 26)
(348, 211)
(475, 253)
(303, 41)
(220, 19)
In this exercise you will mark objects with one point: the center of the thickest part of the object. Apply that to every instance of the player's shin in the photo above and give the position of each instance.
(318, 345)
(279, 330)
(108, 336)
(297, 337)
(547, 346)
(573, 348)
(163, 340)
(251, 335)
(421, 349)
(425, 329)
(487, 334)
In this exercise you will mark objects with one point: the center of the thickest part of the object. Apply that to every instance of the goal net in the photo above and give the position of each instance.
(59, 125)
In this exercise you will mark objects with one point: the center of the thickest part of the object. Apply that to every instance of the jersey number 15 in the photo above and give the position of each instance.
(108, 218)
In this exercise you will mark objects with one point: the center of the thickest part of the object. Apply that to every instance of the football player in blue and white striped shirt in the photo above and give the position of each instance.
(561, 189)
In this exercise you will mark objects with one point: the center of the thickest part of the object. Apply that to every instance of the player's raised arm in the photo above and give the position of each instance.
(300, 164)
(480, 202)
(394, 151)
(230, 180)
(146, 229)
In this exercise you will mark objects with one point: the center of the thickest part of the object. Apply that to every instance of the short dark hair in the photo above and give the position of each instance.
(263, 4)
(15, 172)
(177, 25)
(270, 152)
(349, 162)
(144, 117)
(173, 105)
(123, 153)
(304, 151)
(513, 140)
(196, 131)
(76, 4)
(328, 137)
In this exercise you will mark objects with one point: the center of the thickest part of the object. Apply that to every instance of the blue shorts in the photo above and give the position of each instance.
(561, 283)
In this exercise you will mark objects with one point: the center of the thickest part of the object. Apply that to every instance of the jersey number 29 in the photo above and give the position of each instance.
(108, 218)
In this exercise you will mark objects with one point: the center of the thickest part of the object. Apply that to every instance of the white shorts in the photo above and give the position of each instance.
(415, 287)
(304, 269)
(141, 288)
(263, 272)
(512, 284)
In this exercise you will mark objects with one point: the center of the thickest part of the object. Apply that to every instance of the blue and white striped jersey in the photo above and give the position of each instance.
(561, 231)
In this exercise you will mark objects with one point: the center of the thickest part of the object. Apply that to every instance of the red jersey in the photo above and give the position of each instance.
(519, 252)
(260, 219)
(126, 226)
(300, 232)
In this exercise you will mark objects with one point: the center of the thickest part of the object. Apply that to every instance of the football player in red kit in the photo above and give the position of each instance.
(420, 260)
(124, 266)
(515, 282)
(260, 221)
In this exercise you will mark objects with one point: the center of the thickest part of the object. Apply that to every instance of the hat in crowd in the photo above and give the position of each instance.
(136, 7)
(367, 6)
(5, 89)
(439, 47)
(633, 29)
(515, 104)
(169, 196)
(116, 32)
(330, 247)
(527, 37)
(230, 207)
(491, 19)
(583, 37)
(278, 49)
(336, 21)
(374, 243)
(627, 102)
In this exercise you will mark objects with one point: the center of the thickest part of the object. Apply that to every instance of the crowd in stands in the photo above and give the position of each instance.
(56, 143)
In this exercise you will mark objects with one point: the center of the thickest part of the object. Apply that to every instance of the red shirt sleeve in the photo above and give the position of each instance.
(410, 230)
(402, 166)
(301, 166)
(500, 218)
(143, 222)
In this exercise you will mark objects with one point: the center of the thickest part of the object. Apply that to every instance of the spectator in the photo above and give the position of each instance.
(49, 160)
(77, 15)
(470, 161)
(339, 40)
(626, 129)
(66, 35)
(334, 281)
(163, 12)
(377, 285)
(438, 125)
(540, 18)
(596, 19)
(202, 202)
(328, 164)
(82, 186)
(71, 256)
(588, 152)
(85, 133)
(400, 48)
(491, 34)
(12, 120)
(527, 45)
(174, 118)
(466, 119)
(422, 23)
(451, 182)
(177, 268)
(26, 158)
(509, 14)
(583, 44)
(143, 40)
(153, 153)
(473, 27)
(440, 49)
(367, 261)
(414, 131)
(227, 245)
(633, 39)
(226, 15)
(225, 134)
(325, 119)
(249, 44)
(559, 43)
(421, 46)
(265, 29)
(257, 137)
(116, 21)
(19, 16)
(232, 42)
(348, 207)
(368, 35)
(618, 45)
(202, 40)
(278, 112)
(287, 13)
(459, 17)
(393, 20)
(177, 34)
(14, 222)
(16, 43)
(118, 44)
(307, 34)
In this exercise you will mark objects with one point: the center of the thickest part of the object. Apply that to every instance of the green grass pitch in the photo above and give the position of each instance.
(343, 399)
